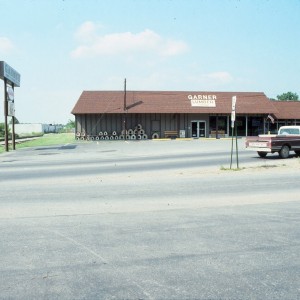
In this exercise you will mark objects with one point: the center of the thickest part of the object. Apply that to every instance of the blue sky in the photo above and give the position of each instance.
(62, 47)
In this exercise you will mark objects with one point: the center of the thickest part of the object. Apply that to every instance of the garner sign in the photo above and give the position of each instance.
(203, 100)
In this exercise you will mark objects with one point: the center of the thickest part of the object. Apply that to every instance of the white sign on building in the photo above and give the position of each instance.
(203, 100)
(203, 103)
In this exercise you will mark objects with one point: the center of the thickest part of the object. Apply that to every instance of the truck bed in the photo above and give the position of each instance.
(273, 143)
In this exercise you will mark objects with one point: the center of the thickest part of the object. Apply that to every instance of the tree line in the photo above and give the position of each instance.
(289, 96)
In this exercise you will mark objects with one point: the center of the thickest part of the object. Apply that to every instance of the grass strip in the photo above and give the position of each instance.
(45, 140)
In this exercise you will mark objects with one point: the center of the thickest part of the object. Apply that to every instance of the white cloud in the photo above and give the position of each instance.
(87, 32)
(147, 41)
(6, 45)
(221, 77)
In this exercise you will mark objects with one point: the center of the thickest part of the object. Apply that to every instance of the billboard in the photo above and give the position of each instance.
(10, 74)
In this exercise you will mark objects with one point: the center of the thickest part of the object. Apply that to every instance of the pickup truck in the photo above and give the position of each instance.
(287, 139)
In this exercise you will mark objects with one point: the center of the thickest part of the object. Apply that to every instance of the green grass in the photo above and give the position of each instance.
(45, 140)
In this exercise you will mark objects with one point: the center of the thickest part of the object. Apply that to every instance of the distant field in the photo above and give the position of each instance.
(45, 140)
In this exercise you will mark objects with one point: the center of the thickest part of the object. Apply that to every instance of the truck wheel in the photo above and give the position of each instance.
(284, 152)
(262, 154)
(297, 153)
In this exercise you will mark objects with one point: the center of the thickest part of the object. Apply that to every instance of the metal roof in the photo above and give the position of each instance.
(287, 110)
(94, 102)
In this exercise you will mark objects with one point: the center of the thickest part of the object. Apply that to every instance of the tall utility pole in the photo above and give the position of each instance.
(125, 110)
(125, 95)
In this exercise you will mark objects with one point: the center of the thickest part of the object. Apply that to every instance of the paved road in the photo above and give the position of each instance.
(125, 157)
(148, 220)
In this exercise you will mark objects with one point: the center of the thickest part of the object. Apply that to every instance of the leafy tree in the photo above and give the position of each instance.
(2, 129)
(289, 96)
(70, 124)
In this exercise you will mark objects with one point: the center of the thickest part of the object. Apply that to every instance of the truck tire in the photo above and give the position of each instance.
(297, 152)
(284, 151)
(262, 154)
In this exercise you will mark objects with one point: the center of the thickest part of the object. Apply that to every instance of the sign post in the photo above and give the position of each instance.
(11, 79)
(234, 128)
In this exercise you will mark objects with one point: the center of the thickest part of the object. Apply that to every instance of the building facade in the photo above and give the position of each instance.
(159, 114)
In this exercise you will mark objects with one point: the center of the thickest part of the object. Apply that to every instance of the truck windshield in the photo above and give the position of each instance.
(285, 131)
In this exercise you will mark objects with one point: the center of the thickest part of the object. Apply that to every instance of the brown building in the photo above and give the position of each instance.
(152, 114)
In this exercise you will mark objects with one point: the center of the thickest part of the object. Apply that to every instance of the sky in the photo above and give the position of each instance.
(63, 47)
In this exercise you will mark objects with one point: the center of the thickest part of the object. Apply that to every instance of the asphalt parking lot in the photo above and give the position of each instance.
(148, 220)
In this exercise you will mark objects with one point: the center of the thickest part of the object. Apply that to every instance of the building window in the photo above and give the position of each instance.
(255, 126)
(218, 126)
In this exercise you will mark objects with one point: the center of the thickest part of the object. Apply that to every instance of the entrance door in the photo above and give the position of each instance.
(198, 129)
